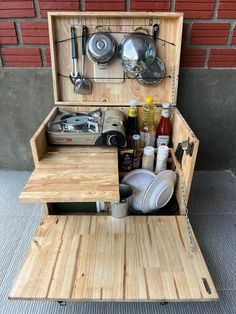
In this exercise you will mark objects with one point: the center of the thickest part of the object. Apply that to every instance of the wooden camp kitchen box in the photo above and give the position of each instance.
(94, 256)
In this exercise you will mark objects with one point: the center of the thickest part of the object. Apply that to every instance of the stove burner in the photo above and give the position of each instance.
(86, 122)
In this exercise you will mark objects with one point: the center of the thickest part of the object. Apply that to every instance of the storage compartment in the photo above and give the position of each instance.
(94, 256)
(61, 170)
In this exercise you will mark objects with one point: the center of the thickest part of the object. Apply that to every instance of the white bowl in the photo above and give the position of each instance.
(139, 180)
(159, 191)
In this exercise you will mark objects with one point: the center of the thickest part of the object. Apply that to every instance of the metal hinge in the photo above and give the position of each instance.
(208, 290)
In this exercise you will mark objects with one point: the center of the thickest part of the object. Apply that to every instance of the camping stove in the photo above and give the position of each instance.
(88, 128)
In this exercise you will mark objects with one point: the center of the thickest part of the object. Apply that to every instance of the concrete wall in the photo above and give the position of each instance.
(25, 99)
(207, 99)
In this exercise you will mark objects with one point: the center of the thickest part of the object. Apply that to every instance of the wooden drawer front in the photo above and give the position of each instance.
(101, 258)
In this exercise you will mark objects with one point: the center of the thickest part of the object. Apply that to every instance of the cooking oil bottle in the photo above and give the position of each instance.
(148, 130)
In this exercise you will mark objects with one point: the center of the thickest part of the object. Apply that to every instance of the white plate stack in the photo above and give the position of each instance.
(150, 191)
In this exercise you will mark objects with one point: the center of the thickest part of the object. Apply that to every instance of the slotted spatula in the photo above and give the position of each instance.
(83, 85)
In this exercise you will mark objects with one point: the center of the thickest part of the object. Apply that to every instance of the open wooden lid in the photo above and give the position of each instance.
(168, 50)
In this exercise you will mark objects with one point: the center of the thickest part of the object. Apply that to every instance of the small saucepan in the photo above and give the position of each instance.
(101, 47)
(156, 71)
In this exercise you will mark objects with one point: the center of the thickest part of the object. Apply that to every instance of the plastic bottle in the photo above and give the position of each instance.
(162, 155)
(148, 132)
(132, 123)
(137, 155)
(148, 158)
(164, 127)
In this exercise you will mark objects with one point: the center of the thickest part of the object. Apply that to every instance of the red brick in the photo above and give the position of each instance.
(227, 9)
(11, 9)
(234, 36)
(57, 5)
(34, 32)
(104, 6)
(48, 57)
(111, 1)
(16, 5)
(161, 5)
(222, 58)
(21, 57)
(209, 33)
(213, 26)
(7, 34)
(192, 58)
(195, 8)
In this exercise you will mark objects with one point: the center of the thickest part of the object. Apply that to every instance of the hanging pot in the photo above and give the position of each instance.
(155, 73)
(137, 51)
(101, 47)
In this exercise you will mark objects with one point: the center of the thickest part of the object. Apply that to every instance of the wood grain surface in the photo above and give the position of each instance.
(168, 51)
(102, 258)
(74, 174)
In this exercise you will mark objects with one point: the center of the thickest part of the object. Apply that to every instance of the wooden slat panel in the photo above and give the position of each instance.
(101, 258)
(59, 29)
(182, 132)
(38, 142)
(78, 174)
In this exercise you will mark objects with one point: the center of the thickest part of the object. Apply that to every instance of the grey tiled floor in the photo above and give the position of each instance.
(213, 216)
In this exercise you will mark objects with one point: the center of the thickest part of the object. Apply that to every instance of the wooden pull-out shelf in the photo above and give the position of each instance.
(101, 258)
(74, 174)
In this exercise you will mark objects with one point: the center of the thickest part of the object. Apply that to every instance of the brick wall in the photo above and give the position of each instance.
(209, 35)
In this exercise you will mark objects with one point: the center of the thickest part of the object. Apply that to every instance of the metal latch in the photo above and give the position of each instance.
(186, 147)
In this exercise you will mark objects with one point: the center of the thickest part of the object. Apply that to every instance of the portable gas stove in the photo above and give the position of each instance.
(88, 128)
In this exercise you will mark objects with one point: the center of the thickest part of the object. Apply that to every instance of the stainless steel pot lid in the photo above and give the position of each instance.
(153, 75)
(101, 47)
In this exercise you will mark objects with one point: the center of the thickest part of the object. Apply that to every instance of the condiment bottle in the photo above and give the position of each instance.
(162, 155)
(147, 132)
(126, 160)
(132, 123)
(148, 158)
(137, 155)
(164, 127)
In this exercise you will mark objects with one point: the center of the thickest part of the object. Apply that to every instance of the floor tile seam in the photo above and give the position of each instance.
(222, 289)
(211, 213)
(10, 261)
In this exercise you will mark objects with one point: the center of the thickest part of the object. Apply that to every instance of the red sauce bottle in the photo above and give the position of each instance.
(163, 132)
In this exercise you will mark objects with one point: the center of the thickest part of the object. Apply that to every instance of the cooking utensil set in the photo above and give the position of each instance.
(136, 54)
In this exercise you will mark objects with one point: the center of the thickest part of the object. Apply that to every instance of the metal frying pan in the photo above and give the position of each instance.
(156, 71)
